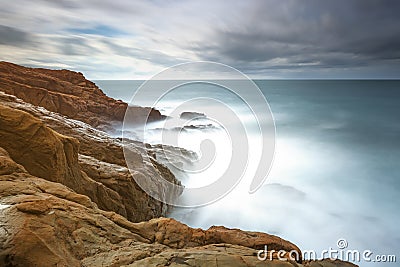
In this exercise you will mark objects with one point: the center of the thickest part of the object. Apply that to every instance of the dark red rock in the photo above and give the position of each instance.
(68, 93)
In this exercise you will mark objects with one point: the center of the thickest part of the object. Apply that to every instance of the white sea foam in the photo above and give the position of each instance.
(335, 173)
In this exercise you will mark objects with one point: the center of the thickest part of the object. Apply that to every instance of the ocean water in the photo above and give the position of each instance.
(336, 171)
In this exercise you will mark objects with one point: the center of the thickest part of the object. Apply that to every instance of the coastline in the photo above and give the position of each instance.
(71, 199)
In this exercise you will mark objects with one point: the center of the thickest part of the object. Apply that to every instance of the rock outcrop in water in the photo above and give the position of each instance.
(67, 198)
(66, 92)
(187, 115)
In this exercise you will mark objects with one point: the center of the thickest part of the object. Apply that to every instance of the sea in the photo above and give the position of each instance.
(334, 182)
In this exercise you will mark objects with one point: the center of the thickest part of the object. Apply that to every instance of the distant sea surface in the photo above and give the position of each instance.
(336, 172)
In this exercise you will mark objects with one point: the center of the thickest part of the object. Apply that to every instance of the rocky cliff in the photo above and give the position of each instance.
(66, 92)
(86, 160)
(68, 199)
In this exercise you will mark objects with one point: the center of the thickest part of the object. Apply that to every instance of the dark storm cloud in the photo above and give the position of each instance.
(261, 37)
(328, 33)
(14, 37)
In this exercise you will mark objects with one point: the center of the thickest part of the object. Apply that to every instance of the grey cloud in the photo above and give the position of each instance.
(74, 46)
(152, 56)
(14, 37)
(69, 4)
(253, 36)
(330, 33)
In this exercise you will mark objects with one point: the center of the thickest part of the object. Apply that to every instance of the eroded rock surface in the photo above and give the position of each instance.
(68, 93)
(47, 145)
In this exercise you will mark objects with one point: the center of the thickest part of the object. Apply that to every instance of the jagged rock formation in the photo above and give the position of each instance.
(66, 92)
(98, 171)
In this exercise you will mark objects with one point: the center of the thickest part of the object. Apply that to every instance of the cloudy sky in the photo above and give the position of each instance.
(128, 39)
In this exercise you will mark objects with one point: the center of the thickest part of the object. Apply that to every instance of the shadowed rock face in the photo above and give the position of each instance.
(84, 159)
(68, 93)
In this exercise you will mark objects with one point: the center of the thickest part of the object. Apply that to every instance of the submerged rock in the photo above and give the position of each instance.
(189, 115)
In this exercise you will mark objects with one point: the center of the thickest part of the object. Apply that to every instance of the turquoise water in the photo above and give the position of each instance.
(336, 172)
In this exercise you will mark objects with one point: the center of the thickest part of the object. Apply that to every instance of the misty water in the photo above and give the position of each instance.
(336, 171)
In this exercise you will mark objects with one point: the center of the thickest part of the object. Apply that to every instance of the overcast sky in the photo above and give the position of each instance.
(128, 39)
